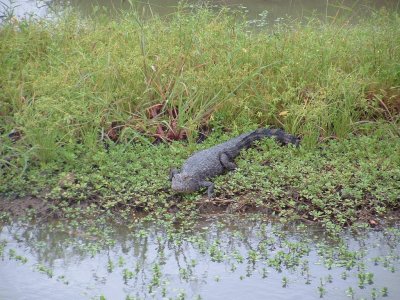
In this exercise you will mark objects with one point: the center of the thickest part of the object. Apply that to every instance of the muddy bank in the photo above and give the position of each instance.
(43, 210)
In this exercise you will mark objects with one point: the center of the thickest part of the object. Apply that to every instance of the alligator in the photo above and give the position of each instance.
(208, 163)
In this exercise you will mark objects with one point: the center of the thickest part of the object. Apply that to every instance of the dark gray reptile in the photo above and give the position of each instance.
(213, 161)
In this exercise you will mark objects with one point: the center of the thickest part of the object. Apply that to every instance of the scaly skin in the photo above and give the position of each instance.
(213, 161)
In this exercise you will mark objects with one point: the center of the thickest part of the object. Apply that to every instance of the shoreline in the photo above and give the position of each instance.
(336, 185)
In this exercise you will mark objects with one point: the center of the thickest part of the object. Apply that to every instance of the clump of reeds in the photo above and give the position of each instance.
(83, 80)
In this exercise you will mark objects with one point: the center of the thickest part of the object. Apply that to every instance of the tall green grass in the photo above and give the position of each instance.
(64, 82)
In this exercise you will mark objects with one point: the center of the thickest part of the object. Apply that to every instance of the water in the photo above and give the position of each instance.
(276, 8)
(220, 258)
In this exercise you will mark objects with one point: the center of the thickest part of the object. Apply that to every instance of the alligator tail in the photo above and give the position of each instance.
(279, 134)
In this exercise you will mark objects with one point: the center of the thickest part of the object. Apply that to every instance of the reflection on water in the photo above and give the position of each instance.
(276, 8)
(217, 259)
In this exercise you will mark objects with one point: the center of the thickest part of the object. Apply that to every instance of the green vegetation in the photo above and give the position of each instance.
(338, 183)
(86, 99)
(68, 81)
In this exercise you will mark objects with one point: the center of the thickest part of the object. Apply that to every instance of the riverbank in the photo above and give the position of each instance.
(337, 183)
(87, 102)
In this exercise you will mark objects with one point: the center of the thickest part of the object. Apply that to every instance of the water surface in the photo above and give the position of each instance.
(220, 258)
(276, 9)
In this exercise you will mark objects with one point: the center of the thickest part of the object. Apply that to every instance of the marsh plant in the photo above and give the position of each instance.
(88, 80)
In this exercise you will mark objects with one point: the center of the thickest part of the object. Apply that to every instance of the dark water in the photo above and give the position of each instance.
(217, 259)
(253, 8)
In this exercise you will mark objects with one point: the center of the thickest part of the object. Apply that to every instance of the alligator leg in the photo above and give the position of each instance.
(226, 161)
(173, 172)
(210, 188)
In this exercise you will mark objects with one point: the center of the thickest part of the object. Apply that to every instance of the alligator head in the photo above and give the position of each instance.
(184, 183)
